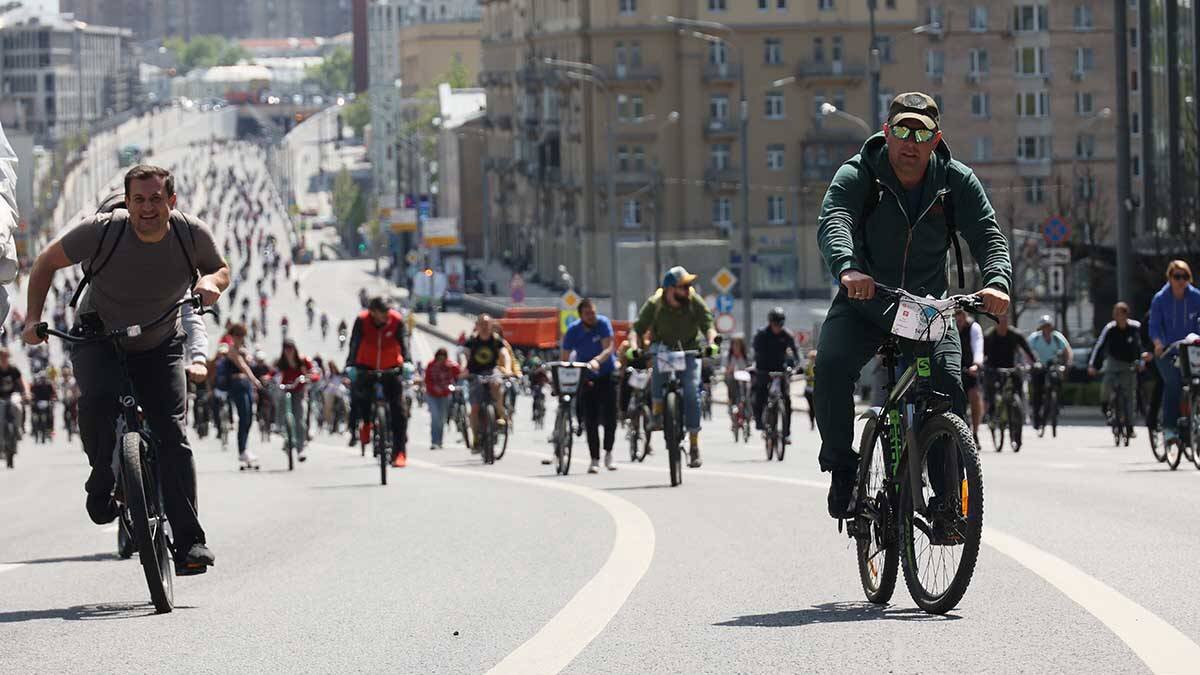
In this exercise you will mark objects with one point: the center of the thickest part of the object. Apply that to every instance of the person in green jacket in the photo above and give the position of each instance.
(676, 318)
(902, 242)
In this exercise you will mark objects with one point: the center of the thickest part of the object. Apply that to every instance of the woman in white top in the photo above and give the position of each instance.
(736, 359)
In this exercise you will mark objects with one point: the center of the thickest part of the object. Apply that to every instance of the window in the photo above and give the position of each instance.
(716, 5)
(1033, 148)
(818, 55)
(722, 211)
(818, 100)
(980, 105)
(983, 148)
(1135, 123)
(632, 211)
(774, 105)
(1136, 165)
(1085, 187)
(825, 5)
(1085, 60)
(762, 5)
(1133, 38)
(718, 108)
(839, 99)
(637, 108)
(718, 53)
(935, 62)
(1083, 17)
(627, 6)
(622, 158)
(635, 52)
(775, 157)
(781, 4)
(776, 213)
(935, 15)
(1030, 18)
(835, 49)
(885, 43)
(1031, 61)
(1034, 190)
(1033, 104)
(639, 158)
(977, 62)
(1085, 146)
(1133, 80)
(718, 156)
(772, 51)
(1084, 103)
(977, 19)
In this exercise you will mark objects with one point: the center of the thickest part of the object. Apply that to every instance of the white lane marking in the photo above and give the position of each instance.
(1162, 647)
(111, 529)
(595, 604)
(8, 567)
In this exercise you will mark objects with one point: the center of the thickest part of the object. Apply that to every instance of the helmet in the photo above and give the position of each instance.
(776, 315)
(260, 355)
(1045, 321)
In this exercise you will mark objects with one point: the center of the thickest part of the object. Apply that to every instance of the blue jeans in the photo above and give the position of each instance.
(1172, 389)
(690, 386)
(241, 395)
(438, 407)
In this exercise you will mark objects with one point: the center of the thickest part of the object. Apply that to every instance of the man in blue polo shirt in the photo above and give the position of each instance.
(590, 339)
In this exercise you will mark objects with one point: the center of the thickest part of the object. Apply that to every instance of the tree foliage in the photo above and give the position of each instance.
(349, 207)
(357, 114)
(205, 51)
(335, 74)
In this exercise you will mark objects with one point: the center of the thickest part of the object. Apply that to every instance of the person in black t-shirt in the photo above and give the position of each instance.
(11, 383)
(482, 353)
(1000, 347)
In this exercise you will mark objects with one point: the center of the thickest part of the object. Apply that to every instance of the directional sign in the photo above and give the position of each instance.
(570, 300)
(1057, 281)
(725, 303)
(1056, 230)
(725, 323)
(1056, 255)
(724, 280)
(710, 301)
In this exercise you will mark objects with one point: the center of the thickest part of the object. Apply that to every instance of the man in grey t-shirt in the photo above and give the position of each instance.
(140, 262)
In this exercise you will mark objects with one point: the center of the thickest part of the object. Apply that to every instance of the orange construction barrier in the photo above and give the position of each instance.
(620, 331)
(531, 313)
(531, 333)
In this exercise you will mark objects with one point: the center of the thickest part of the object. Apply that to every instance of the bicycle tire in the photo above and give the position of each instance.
(1174, 453)
(878, 577)
(1016, 425)
(138, 500)
(647, 426)
(1194, 425)
(672, 434)
(486, 437)
(770, 435)
(463, 427)
(383, 441)
(124, 540)
(1054, 414)
(289, 441)
(502, 433)
(633, 433)
(781, 438)
(971, 529)
(564, 442)
(1157, 446)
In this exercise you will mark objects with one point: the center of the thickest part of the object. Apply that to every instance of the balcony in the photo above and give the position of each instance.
(722, 127)
(629, 179)
(722, 180)
(833, 72)
(639, 74)
(722, 72)
(529, 76)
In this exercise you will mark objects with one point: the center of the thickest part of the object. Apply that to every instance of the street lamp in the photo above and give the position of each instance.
(828, 109)
(695, 28)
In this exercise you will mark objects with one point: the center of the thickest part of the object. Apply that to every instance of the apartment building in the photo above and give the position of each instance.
(159, 19)
(383, 21)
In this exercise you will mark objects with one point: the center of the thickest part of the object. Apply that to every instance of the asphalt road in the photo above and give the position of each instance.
(456, 567)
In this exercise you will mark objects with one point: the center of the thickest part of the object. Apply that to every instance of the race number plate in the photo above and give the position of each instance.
(671, 362)
(924, 322)
(638, 380)
(741, 375)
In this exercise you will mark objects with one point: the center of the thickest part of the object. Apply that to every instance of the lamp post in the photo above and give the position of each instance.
(874, 62)
(828, 109)
(696, 29)
(591, 73)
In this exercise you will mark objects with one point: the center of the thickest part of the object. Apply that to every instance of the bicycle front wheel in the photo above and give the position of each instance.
(780, 436)
(1016, 424)
(875, 522)
(145, 514)
(487, 437)
(673, 432)
(941, 544)
(383, 441)
(563, 442)
(633, 432)
(771, 435)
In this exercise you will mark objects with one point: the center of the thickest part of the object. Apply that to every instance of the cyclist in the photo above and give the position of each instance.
(69, 389)
(970, 336)
(590, 340)
(439, 375)
(13, 390)
(483, 354)
(1174, 313)
(1048, 345)
(176, 251)
(774, 351)
(1000, 347)
(44, 395)
(292, 366)
(377, 343)
(736, 359)
(324, 325)
(1119, 349)
(676, 316)
(900, 239)
(283, 326)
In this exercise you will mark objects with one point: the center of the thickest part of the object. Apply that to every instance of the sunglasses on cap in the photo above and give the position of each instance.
(1180, 276)
(919, 135)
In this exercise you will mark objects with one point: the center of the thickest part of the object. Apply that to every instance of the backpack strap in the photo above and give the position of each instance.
(870, 203)
(186, 255)
(952, 236)
(93, 269)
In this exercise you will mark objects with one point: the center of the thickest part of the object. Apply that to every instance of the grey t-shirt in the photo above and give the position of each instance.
(141, 281)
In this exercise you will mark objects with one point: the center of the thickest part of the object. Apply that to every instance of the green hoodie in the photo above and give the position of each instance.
(911, 257)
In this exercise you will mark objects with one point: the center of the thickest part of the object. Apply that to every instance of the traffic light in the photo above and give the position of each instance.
(428, 272)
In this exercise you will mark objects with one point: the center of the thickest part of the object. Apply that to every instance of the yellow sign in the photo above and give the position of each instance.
(440, 232)
(565, 317)
(570, 300)
(724, 280)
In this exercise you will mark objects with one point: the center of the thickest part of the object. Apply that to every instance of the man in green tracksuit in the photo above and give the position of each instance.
(887, 216)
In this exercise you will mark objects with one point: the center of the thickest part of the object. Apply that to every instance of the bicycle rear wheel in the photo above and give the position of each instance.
(996, 423)
(145, 512)
(875, 523)
(487, 437)
(1016, 424)
(772, 435)
(780, 437)
(673, 433)
(941, 545)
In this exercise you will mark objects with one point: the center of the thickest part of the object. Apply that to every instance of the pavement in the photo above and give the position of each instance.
(458, 567)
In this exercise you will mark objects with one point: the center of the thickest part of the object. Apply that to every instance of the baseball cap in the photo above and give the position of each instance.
(1045, 321)
(914, 106)
(677, 275)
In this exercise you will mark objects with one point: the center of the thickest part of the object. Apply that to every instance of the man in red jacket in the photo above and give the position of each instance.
(377, 343)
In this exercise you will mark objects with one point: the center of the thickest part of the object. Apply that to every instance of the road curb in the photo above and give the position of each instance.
(436, 332)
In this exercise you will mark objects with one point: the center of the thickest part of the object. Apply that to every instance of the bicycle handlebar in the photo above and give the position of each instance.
(44, 330)
(971, 304)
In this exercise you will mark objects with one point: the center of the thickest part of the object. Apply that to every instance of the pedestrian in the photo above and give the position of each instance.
(440, 374)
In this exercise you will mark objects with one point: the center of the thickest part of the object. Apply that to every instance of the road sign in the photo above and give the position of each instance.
(724, 280)
(565, 317)
(570, 300)
(1056, 230)
(1056, 278)
(725, 323)
(711, 301)
(724, 303)
(1056, 255)
(412, 257)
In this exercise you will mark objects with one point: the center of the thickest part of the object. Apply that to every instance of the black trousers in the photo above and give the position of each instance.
(597, 406)
(362, 398)
(161, 390)
(762, 385)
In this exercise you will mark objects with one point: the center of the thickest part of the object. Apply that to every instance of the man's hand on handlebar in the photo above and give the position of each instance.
(207, 289)
(859, 286)
(30, 334)
(197, 372)
(995, 301)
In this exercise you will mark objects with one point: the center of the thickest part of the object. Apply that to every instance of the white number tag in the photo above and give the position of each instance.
(924, 322)
(568, 378)
(671, 362)
(639, 379)
(741, 375)
(1194, 359)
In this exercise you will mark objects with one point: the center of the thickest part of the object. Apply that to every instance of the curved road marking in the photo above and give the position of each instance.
(1161, 646)
(595, 604)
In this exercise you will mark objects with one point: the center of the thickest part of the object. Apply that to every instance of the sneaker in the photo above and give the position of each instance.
(608, 461)
(353, 440)
(435, 446)
(841, 489)
(102, 508)
(247, 457)
(694, 461)
(1132, 433)
(400, 459)
(301, 456)
(547, 461)
(594, 467)
(197, 561)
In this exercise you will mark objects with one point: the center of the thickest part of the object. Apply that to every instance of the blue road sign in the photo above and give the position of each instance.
(724, 303)
(1056, 230)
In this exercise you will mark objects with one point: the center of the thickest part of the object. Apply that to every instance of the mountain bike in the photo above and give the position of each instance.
(742, 412)
(458, 411)
(920, 484)
(638, 414)
(1120, 424)
(138, 471)
(380, 416)
(567, 378)
(671, 364)
(1051, 389)
(488, 434)
(291, 426)
(8, 432)
(1006, 410)
(1186, 443)
(774, 415)
(539, 405)
(42, 420)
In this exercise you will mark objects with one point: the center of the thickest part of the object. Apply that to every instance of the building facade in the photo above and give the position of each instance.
(159, 19)
(383, 21)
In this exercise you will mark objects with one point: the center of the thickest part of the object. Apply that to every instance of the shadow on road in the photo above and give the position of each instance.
(91, 557)
(624, 488)
(343, 486)
(833, 612)
(98, 612)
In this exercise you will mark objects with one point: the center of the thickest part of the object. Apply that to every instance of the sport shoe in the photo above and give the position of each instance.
(841, 489)
(694, 461)
(197, 561)
(400, 459)
(608, 461)
(594, 467)
(301, 456)
(102, 508)
(353, 440)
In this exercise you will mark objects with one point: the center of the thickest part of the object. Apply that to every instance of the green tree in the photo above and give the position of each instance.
(349, 207)
(357, 114)
(335, 74)
(205, 51)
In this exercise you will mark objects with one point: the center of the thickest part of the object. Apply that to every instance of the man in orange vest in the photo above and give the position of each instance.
(377, 343)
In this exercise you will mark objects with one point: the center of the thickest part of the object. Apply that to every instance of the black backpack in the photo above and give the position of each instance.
(874, 196)
(114, 201)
